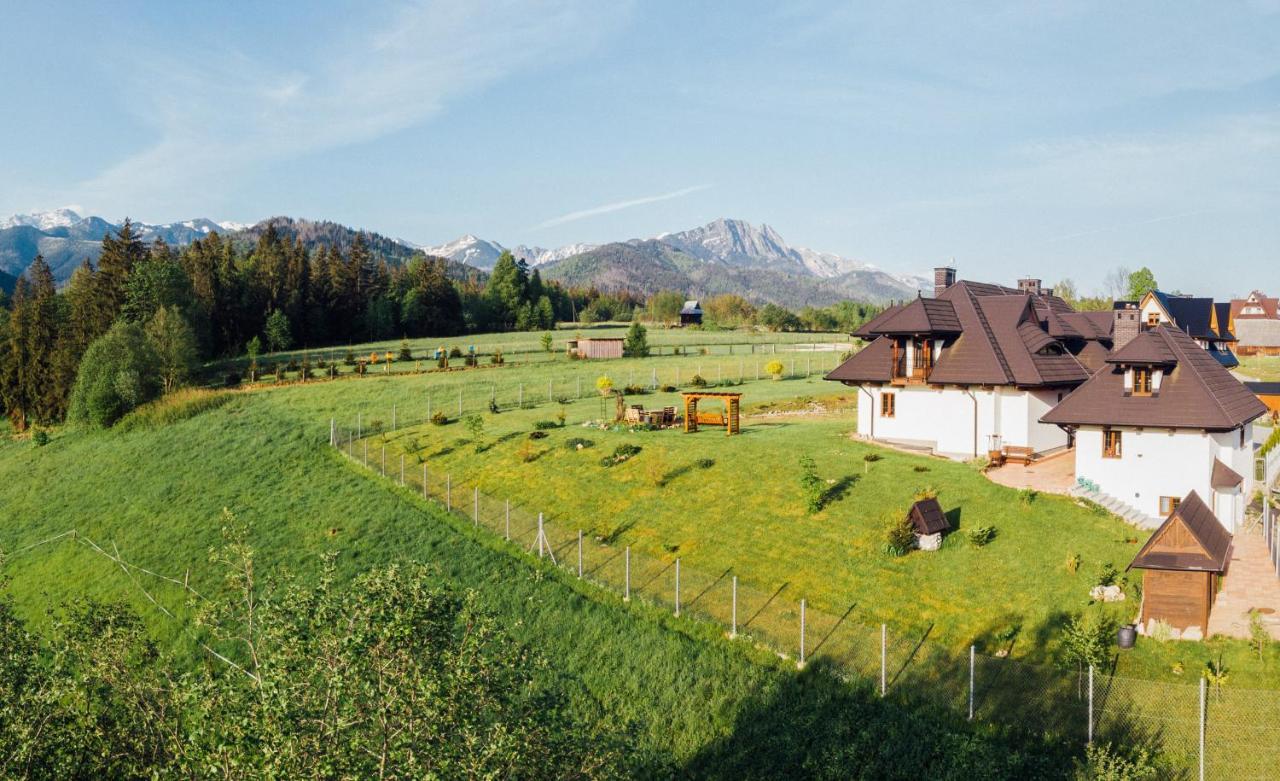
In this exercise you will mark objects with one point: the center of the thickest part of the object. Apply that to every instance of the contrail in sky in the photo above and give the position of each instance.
(618, 206)
(1165, 218)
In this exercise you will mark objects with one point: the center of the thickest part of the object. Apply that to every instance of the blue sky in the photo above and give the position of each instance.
(1051, 139)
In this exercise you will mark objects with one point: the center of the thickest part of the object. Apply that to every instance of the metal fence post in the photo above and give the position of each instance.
(733, 628)
(626, 576)
(884, 636)
(801, 633)
(1090, 734)
(579, 553)
(1202, 693)
(677, 587)
(333, 433)
(507, 521)
(971, 687)
(475, 505)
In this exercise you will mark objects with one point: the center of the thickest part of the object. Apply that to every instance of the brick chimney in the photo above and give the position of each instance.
(1126, 326)
(1029, 285)
(943, 278)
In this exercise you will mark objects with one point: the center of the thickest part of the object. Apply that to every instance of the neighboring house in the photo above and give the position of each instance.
(1268, 393)
(973, 368)
(1255, 321)
(691, 313)
(1165, 418)
(1257, 306)
(1200, 318)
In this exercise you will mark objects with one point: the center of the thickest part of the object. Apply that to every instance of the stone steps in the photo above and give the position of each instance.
(1119, 507)
(1251, 583)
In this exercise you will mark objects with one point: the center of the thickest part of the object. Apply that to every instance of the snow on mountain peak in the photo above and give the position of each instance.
(57, 218)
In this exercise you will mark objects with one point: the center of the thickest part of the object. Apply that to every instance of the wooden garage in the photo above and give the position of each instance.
(1181, 564)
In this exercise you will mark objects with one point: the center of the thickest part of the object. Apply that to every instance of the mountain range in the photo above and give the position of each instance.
(724, 256)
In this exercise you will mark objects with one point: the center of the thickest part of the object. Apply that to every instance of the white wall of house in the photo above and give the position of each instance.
(944, 418)
(1164, 462)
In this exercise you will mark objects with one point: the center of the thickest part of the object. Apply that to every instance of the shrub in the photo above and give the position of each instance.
(919, 468)
(560, 417)
(496, 359)
(578, 443)
(669, 389)
(1073, 563)
(117, 374)
(546, 342)
(774, 369)
(527, 452)
(1104, 762)
(455, 352)
(636, 343)
(543, 425)
(1107, 574)
(350, 358)
(604, 384)
(981, 535)
(811, 485)
(705, 463)
(471, 361)
(634, 390)
(620, 453)
(279, 372)
(493, 406)
(537, 435)
(439, 419)
(405, 353)
(697, 381)
(361, 368)
(232, 379)
(1027, 496)
(40, 438)
(899, 535)
(293, 364)
(442, 362)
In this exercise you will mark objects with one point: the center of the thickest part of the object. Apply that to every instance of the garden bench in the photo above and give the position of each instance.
(1019, 454)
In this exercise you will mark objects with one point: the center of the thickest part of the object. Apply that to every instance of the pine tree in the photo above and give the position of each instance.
(120, 253)
(32, 390)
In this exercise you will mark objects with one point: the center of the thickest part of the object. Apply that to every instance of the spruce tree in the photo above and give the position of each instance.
(120, 253)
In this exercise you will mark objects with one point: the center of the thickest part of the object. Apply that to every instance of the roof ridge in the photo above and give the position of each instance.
(991, 336)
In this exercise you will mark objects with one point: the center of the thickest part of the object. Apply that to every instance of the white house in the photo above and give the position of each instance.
(1206, 322)
(972, 369)
(1165, 418)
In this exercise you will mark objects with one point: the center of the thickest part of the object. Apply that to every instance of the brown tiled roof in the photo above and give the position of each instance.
(1270, 308)
(867, 331)
(992, 335)
(1145, 348)
(1224, 476)
(873, 363)
(1209, 534)
(1196, 393)
(1093, 325)
(922, 316)
(1093, 356)
(927, 517)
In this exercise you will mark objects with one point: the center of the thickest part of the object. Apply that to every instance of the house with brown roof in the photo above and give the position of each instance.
(973, 368)
(1206, 322)
(1255, 320)
(1163, 419)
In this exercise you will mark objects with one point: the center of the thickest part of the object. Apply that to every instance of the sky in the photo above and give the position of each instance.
(1057, 140)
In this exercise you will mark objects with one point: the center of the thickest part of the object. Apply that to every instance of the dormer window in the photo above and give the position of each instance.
(1153, 319)
(1142, 381)
(1050, 349)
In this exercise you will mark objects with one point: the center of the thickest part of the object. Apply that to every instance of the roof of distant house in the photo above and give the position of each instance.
(1199, 521)
(1195, 392)
(1270, 307)
(693, 307)
(1263, 388)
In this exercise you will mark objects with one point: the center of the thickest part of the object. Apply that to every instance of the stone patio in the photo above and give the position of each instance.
(1052, 474)
(1250, 583)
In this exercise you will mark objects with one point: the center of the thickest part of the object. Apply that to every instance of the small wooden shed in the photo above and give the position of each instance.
(1181, 564)
(691, 313)
(595, 348)
(930, 523)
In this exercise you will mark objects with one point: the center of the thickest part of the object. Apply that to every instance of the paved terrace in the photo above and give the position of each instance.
(1054, 474)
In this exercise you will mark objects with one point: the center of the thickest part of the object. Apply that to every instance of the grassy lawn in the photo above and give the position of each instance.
(1262, 367)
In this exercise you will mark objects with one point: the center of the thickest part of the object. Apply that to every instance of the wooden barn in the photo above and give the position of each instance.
(691, 313)
(594, 348)
(930, 523)
(1181, 564)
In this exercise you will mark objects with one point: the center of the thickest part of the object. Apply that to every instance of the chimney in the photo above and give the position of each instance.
(1126, 326)
(1028, 285)
(943, 278)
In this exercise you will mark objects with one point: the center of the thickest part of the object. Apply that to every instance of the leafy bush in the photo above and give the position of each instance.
(669, 389)
(981, 535)
(697, 381)
(604, 384)
(636, 343)
(117, 374)
(40, 438)
(774, 369)
(350, 358)
(705, 463)
(1107, 574)
(455, 352)
(493, 406)
(620, 453)
(545, 425)
(634, 390)
(293, 364)
(899, 535)
(537, 435)
(439, 419)
(496, 359)
(405, 353)
(578, 443)
(1104, 762)
(811, 485)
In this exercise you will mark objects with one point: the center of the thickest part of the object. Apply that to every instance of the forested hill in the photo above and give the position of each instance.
(7, 281)
(316, 234)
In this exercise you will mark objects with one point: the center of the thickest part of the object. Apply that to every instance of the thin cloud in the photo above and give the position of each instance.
(217, 114)
(618, 206)
(1127, 225)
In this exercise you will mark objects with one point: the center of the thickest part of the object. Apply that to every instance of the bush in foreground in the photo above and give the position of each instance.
(117, 374)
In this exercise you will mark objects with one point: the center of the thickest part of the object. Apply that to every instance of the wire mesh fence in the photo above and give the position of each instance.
(1201, 731)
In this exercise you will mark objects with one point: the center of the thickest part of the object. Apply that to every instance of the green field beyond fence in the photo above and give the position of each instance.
(1205, 732)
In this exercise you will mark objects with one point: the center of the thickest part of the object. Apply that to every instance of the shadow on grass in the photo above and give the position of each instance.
(838, 490)
(832, 631)
(766, 604)
(616, 533)
(712, 585)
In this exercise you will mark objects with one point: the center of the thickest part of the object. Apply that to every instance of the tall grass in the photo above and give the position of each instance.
(173, 407)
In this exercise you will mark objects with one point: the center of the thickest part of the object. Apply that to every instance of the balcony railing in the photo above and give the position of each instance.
(915, 370)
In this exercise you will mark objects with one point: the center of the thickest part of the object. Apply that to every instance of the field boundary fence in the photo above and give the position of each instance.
(1204, 731)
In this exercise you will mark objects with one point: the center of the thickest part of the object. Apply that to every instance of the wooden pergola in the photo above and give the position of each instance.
(729, 420)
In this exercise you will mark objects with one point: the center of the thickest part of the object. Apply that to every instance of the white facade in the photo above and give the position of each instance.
(943, 419)
(1157, 463)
